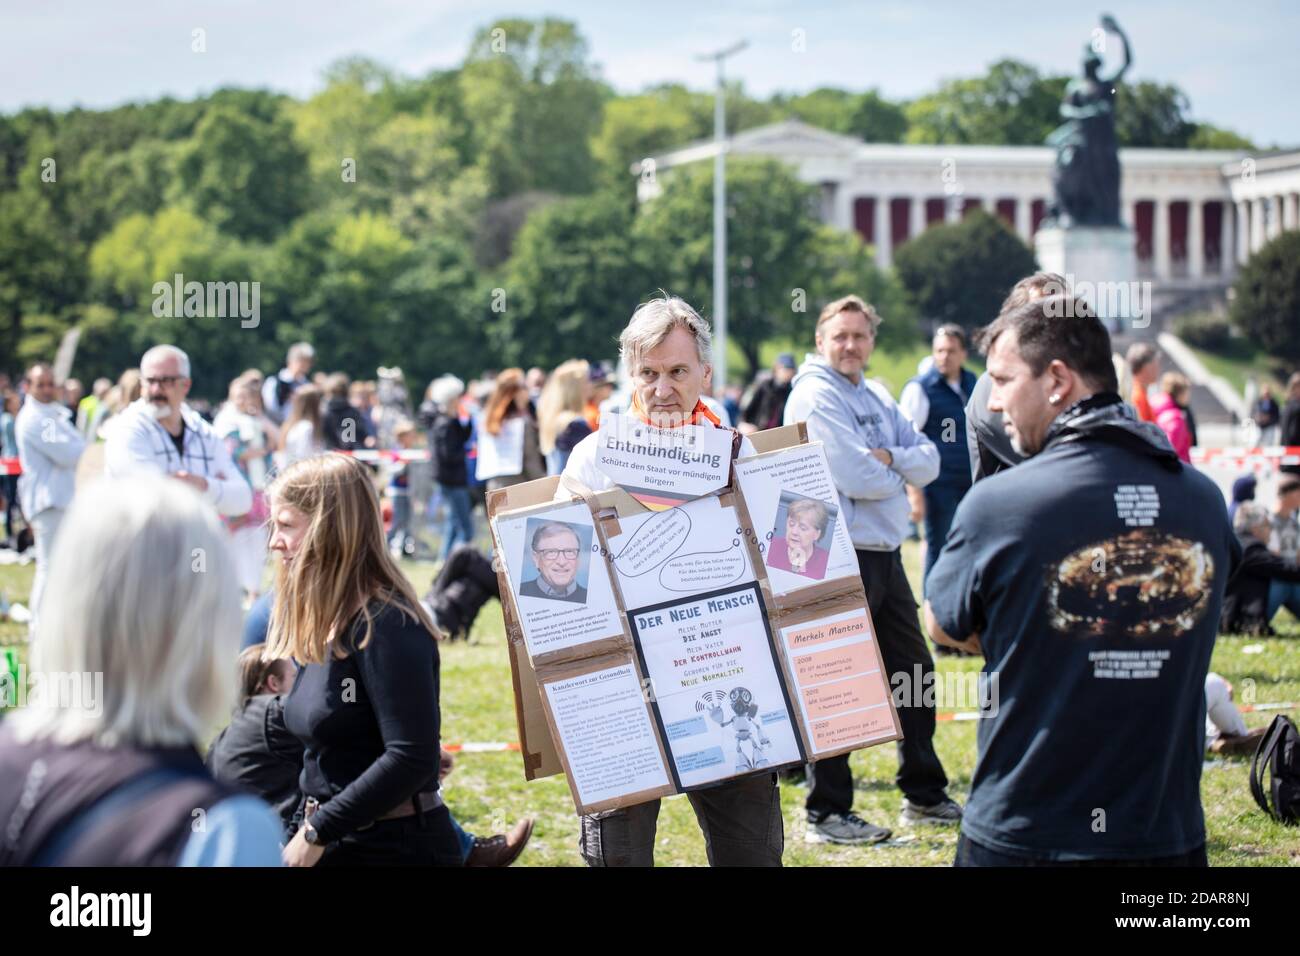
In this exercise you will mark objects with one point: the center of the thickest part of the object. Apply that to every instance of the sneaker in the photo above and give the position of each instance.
(944, 813)
(844, 828)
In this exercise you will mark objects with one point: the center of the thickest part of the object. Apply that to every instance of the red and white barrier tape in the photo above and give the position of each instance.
(1243, 458)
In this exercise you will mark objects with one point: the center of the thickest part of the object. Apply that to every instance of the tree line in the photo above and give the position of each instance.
(468, 218)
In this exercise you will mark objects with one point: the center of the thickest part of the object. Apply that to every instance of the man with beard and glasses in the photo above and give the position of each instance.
(160, 433)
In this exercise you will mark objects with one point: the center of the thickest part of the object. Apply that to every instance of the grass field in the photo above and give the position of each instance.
(488, 790)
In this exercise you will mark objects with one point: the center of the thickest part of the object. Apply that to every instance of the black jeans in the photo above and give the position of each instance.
(424, 840)
(893, 612)
(970, 853)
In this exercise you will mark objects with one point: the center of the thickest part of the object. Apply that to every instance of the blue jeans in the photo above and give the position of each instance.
(459, 526)
(401, 526)
(466, 839)
(1283, 594)
(941, 503)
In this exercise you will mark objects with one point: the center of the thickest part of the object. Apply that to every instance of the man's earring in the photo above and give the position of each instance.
(1055, 400)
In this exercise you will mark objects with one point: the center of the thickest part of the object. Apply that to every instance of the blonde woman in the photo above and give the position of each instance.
(561, 421)
(102, 770)
(365, 702)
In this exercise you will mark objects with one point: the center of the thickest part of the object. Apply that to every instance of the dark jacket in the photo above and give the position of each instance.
(767, 407)
(339, 434)
(447, 438)
(257, 753)
(139, 827)
(990, 448)
(1245, 605)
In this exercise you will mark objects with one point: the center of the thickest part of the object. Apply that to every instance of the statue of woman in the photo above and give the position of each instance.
(1086, 178)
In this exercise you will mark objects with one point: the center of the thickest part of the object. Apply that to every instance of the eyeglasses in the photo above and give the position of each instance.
(166, 381)
(550, 554)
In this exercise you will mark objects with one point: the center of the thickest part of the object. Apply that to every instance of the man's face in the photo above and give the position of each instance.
(801, 531)
(164, 387)
(1149, 373)
(40, 385)
(671, 378)
(846, 342)
(1289, 503)
(556, 557)
(782, 374)
(949, 356)
(300, 365)
(1020, 395)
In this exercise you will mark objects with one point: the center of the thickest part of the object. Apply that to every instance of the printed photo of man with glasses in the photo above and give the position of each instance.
(557, 554)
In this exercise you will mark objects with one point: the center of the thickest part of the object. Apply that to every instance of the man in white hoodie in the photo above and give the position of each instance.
(874, 453)
(48, 448)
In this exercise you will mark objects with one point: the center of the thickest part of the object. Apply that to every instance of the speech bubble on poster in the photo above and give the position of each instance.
(703, 569)
(658, 539)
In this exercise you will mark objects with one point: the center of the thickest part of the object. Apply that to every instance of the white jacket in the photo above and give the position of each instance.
(48, 448)
(139, 443)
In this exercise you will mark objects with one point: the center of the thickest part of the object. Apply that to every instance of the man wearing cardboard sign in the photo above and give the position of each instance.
(666, 347)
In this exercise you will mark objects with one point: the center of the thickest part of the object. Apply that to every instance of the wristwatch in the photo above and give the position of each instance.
(310, 835)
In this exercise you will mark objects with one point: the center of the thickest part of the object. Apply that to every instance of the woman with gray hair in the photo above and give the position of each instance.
(131, 671)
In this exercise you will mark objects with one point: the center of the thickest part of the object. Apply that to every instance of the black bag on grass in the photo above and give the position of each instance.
(1278, 756)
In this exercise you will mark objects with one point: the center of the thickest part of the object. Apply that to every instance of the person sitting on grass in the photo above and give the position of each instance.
(1246, 605)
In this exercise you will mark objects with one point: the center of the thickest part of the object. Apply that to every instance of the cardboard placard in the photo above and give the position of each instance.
(719, 664)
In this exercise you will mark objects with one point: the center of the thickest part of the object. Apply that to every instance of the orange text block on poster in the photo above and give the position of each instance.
(851, 728)
(837, 662)
(826, 700)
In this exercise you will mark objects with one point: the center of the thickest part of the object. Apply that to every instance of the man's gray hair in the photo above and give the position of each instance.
(168, 351)
(300, 350)
(1249, 516)
(654, 321)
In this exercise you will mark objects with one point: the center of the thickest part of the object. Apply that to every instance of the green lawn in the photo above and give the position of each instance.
(1239, 362)
(488, 790)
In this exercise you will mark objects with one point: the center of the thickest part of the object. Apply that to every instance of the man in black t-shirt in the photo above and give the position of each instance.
(1091, 576)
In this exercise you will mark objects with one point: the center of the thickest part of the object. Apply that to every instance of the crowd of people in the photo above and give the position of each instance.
(332, 751)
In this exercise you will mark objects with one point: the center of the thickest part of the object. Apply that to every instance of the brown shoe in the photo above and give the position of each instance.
(502, 849)
(1234, 746)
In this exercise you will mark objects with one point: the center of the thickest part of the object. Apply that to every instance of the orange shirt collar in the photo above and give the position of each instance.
(701, 411)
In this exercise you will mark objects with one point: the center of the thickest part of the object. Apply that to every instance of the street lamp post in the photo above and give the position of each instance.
(720, 218)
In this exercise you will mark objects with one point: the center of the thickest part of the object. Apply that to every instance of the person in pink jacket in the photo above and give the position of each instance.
(1168, 409)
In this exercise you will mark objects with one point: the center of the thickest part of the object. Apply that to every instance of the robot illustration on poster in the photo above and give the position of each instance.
(745, 726)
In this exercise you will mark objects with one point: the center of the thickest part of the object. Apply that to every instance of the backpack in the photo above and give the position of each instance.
(1278, 753)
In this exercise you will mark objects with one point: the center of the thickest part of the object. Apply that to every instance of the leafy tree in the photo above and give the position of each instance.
(961, 272)
(1207, 136)
(571, 284)
(1010, 105)
(244, 174)
(844, 265)
(1266, 303)
(770, 232)
(536, 101)
(866, 115)
(1153, 115)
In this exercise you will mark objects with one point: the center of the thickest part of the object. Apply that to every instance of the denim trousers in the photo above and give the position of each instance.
(458, 528)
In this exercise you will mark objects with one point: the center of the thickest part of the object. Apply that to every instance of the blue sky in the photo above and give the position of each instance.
(1236, 61)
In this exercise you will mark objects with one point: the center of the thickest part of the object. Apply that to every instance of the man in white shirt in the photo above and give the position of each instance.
(48, 448)
(160, 433)
(666, 346)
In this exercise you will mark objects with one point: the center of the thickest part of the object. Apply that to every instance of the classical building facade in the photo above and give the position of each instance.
(1198, 214)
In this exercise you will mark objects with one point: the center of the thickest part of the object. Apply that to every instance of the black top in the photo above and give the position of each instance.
(447, 438)
(344, 426)
(1093, 573)
(767, 406)
(179, 439)
(257, 753)
(1290, 435)
(369, 723)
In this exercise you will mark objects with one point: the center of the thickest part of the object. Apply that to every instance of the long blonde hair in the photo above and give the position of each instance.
(561, 402)
(342, 564)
